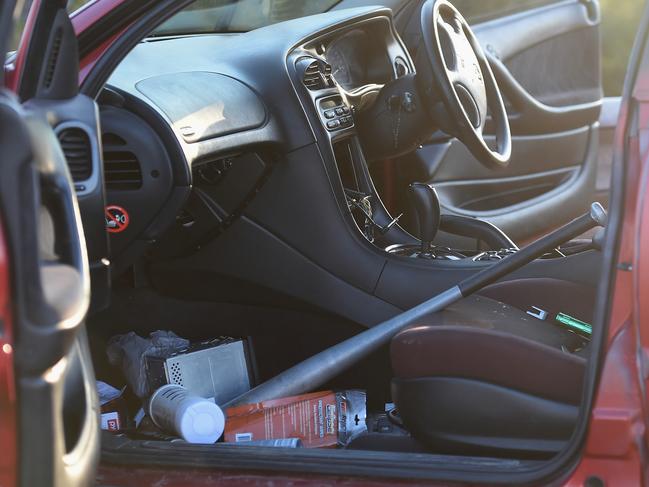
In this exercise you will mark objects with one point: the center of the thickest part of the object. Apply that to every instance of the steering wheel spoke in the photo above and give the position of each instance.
(464, 81)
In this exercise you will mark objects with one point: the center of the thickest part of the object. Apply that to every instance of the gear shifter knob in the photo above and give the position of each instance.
(426, 203)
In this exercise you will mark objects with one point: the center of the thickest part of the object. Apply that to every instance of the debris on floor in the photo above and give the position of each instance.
(319, 419)
(129, 352)
(220, 369)
(175, 388)
(279, 443)
(114, 410)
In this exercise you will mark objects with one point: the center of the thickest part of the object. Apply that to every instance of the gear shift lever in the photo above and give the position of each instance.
(426, 203)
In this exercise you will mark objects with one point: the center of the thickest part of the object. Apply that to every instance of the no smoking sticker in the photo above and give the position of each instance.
(117, 219)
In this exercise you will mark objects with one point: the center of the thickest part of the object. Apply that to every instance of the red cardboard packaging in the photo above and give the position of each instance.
(319, 419)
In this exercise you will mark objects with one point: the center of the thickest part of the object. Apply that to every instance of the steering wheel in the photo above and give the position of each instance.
(461, 76)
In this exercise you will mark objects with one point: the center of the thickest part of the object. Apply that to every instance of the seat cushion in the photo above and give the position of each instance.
(452, 416)
(491, 356)
(493, 315)
(551, 295)
(485, 378)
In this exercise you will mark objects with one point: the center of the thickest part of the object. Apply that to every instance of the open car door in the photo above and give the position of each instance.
(58, 435)
(545, 55)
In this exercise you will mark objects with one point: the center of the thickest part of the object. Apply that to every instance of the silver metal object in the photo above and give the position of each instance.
(320, 368)
(326, 365)
(538, 313)
(220, 371)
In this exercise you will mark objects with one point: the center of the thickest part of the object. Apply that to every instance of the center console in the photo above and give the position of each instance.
(335, 113)
(416, 267)
(429, 220)
(381, 229)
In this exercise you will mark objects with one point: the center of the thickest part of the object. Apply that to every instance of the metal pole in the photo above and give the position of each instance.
(324, 366)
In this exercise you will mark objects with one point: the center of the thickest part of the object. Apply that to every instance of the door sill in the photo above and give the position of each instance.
(122, 451)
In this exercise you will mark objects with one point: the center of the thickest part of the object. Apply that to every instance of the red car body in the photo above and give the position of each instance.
(615, 449)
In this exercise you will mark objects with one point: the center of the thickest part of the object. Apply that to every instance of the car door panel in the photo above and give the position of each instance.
(546, 61)
(528, 115)
(533, 191)
(76, 125)
(534, 35)
(58, 423)
(530, 155)
(608, 122)
(58, 412)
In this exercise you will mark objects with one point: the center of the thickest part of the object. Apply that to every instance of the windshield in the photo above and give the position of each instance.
(217, 16)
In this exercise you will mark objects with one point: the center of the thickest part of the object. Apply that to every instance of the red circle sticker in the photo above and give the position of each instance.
(117, 219)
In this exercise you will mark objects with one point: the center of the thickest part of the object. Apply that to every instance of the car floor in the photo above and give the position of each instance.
(281, 337)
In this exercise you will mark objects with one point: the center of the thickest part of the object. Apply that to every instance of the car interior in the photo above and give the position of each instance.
(298, 181)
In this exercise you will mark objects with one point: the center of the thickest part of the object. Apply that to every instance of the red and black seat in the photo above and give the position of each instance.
(485, 378)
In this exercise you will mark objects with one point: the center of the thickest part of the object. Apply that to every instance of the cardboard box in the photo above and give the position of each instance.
(114, 408)
(320, 419)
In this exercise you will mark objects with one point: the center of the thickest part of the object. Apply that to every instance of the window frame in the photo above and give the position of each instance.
(513, 7)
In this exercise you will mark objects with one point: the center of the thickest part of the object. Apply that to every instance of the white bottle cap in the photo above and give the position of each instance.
(201, 422)
(195, 419)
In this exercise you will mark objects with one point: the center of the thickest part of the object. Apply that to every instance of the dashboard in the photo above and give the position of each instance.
(202, 133)
(239, 163)
(367, 53)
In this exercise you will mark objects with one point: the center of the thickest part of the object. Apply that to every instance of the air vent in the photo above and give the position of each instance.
(75, 144)
(54, 58)
(122, 171)
(312, 78)
(317, 75)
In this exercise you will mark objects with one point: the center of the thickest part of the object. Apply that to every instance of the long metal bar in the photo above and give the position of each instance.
(324, 366)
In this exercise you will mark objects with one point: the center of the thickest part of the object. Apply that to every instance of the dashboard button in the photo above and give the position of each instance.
(329, 114)
(332, 124)
(346, 110)
(339, 111)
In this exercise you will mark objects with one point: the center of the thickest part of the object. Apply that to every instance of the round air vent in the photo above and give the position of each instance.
(316, 74)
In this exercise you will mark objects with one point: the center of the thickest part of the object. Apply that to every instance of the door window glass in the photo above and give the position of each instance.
(476, 11)
(74, 5)
(620, 20)
(221, 16)
(21, 18)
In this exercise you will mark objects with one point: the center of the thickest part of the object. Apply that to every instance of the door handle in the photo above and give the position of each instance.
(56, 289)
(530, 116)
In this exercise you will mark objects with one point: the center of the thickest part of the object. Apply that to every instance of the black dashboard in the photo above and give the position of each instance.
(242, 163)
(185, 126)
